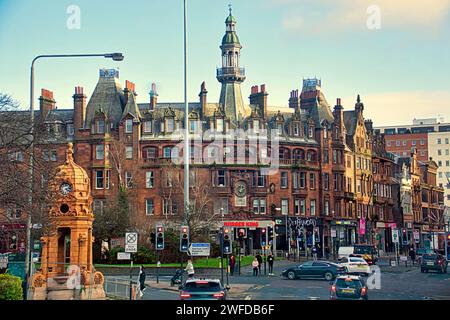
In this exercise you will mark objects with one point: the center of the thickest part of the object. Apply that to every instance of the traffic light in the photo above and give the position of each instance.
(159, 238)
(226, 242)
(263, 237)
(404, 237)
(447, 245)
(270, 232)
(184, 239)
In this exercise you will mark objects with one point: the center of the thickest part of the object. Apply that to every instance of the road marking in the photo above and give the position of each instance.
(248, 298)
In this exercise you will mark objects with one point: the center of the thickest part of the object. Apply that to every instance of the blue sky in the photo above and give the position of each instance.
(401, 69)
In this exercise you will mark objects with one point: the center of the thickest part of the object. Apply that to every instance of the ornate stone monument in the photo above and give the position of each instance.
(66, 266)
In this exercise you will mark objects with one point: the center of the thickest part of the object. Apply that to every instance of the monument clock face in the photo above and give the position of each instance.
(240, 189)
(65, 188)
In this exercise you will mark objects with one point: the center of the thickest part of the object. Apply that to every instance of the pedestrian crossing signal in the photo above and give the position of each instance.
(226, 241)
(159, 238)
(184, 239)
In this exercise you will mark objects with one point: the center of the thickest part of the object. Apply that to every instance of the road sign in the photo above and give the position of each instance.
(403, 258)
(123, 256)
(199, 250)
(131, 242)
(416, 235)
(395, 235)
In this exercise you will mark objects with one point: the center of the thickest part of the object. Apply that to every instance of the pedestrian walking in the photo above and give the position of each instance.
(412, 255)
(190, 268)
(232, 263)
(314, 252)
(260, 260)
(270, 260)
(255, 265)
(141, 282)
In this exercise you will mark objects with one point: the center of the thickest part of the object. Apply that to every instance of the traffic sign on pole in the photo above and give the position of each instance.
(131, 242)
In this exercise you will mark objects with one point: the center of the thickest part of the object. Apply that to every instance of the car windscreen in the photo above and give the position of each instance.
(429, 257)
(359, 260)
(348, 283)
(364, 250)
(199, 286)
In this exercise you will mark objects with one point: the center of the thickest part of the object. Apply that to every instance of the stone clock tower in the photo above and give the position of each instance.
(67, 246)
(231, 75)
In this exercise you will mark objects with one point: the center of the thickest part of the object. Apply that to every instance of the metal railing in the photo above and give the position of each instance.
(119, 289)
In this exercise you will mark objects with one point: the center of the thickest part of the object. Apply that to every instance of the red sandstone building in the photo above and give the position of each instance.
(321, 193)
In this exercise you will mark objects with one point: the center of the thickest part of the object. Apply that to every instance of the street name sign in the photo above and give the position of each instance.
(199, 249)
(123, 256)
(131, 242)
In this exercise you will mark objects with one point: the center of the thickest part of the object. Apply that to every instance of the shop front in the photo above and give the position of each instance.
(304, 233)
(343, 233)
(383, 237)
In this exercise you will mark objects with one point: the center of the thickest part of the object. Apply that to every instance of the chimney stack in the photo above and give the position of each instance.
(294, 100)
(258, 97)
(79, 106)
(153, 97)
(338, 114)
(46, 103)
(203, 95)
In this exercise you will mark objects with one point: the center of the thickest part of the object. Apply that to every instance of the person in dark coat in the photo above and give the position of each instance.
(260, 260)
(141, 282)
(412, 255)
(270, 260)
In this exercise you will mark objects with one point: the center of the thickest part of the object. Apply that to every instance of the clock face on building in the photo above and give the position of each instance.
(65, 188)
(240, 189)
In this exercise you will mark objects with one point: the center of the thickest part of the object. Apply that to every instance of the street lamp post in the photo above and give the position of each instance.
(186, 122)
(114, 56)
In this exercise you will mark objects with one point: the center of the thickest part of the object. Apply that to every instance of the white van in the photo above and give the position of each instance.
(345, 252)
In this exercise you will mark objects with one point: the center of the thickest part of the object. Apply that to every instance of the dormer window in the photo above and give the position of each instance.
(70, 130)
(100, 126)
(170, 124)
(310, 132)
(219, 125)
(279, 129)
(128, 126)
(148, 126)
(296, 129)
(256, 126)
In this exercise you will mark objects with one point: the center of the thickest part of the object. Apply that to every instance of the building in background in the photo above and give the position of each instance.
(431, 139)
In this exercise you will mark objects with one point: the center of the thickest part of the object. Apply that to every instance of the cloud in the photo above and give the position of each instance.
(331, 15)
(394, 108)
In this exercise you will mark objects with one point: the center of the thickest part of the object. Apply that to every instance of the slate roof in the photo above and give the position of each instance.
(108, 96)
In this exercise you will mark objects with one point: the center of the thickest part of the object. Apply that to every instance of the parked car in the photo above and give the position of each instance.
(349, 288)
(365, 251)
(355, 265)
(203, 289)
(314, 269)
(433, 261)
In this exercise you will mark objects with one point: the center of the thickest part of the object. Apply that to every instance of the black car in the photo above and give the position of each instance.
(203, 289)
(314, 269)
(433, 261)
(349, 288)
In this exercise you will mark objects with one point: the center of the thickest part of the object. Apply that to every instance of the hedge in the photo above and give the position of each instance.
(10, 287)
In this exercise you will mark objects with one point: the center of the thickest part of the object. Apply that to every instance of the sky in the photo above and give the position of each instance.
(396, 54)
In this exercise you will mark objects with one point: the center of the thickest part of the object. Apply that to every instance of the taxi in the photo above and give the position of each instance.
(355, 265)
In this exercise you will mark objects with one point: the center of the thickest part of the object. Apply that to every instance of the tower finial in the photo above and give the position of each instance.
(230, 7)
(69, 157)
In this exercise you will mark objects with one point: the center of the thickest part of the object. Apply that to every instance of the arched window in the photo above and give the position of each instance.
(311, 156)
(285, 154)
(150, 153)
(299, 154)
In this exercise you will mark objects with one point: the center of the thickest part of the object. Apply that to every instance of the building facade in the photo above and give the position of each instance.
(322, 176)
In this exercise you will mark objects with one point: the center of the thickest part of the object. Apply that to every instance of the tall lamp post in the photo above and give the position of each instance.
(114, 56)
(186, 122)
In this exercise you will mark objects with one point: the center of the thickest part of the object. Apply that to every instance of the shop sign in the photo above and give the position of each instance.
(333, 233)
(362, 226)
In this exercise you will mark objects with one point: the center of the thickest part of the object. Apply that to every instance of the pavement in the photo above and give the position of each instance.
(396, 283)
